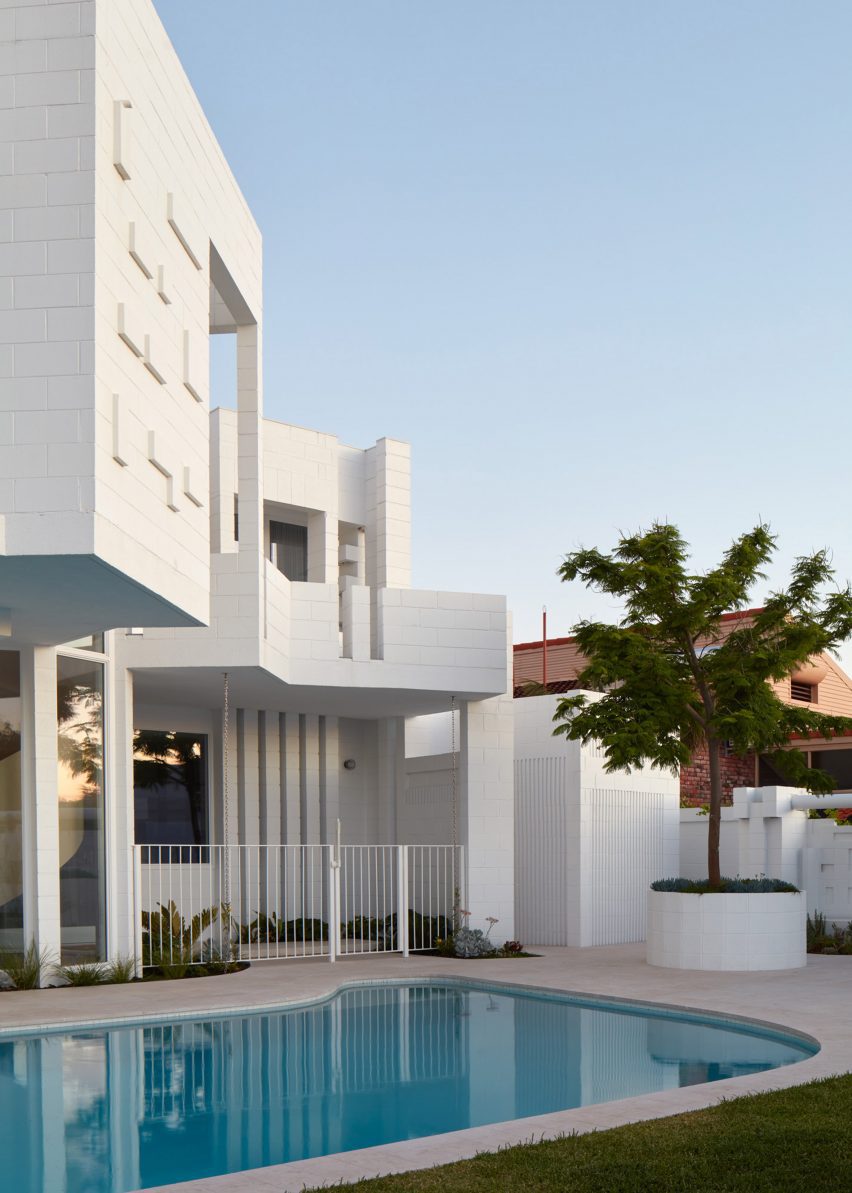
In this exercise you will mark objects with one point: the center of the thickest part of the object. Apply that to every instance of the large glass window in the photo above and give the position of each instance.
(11, 848)
(838, 763)
(80, 701)
(170, 790)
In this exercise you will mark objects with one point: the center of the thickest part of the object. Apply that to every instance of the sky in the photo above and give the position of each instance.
(591, 259)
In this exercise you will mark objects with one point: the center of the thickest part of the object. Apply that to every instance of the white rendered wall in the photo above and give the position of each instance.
(588, 843)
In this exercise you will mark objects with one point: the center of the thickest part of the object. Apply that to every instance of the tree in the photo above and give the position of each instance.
(674, 675)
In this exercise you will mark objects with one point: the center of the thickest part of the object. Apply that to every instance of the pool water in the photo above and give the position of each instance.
(110, 1110)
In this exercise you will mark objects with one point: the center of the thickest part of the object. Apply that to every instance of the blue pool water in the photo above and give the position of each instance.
(110, 1110)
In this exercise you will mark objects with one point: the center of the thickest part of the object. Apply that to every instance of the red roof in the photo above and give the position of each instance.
(567, 641)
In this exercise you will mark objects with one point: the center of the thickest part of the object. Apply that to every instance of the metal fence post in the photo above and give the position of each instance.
(402, 901)
(333, 904)
(137, 909)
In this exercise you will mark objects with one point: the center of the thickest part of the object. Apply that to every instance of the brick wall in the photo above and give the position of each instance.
(737, 771)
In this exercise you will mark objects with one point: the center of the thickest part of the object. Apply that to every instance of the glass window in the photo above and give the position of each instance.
(80, 712)
(93, 642)
(170, 790)
(11, 850)
(288, 549)
(838, 763)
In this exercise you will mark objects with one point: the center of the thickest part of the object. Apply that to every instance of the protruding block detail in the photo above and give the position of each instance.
(121, 137)
(189, 490)
(129, 330)
(158, 459)
(150, 361)
(119, 452)
(162, 289)
(138, 249)
(191, 367)
(180, 225)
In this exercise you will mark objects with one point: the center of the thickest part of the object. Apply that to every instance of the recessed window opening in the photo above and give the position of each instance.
(288, 549)
(171, 794)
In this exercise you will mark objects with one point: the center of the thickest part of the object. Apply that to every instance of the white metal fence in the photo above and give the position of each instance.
(206, 903)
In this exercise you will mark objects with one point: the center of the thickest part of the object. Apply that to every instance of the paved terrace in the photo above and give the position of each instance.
(814, 1000)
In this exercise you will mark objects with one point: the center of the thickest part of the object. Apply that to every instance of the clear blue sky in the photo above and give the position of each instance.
(592, 259)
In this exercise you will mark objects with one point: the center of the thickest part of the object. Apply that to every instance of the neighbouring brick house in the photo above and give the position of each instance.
(823, 685)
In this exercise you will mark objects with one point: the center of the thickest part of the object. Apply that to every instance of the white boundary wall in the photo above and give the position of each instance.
(587, 843)
(764, 833)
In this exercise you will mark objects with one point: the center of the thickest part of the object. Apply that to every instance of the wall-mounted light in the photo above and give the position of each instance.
(349, 764)
(134, 631)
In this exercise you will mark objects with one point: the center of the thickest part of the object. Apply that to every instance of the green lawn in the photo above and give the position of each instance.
(790, 1141)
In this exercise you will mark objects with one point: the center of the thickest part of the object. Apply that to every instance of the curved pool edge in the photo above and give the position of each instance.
(691, 1013)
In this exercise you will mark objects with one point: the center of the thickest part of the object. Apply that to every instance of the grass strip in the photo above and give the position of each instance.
(787, 1140)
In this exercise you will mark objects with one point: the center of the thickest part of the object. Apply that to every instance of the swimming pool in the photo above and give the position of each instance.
(113, 1109)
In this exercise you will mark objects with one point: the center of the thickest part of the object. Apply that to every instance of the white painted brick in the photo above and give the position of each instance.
(70, 53)
(22, 57)
(70, 120)
(47, 290)
(47, 156)
(60, 20)
(70, 459)
(17, 327)
(47, 427)
(47, 223)
(54, 87)
(23, 124)
(23, 461)
(45, 495)
(23, 190)
(76, 186)
(46, 360)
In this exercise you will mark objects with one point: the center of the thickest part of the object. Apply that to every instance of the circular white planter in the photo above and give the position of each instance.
(730, 932)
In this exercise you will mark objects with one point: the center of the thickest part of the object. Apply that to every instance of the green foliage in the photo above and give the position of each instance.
(167, 940)
(89, 973)
(778, 1142)
(28, 969)
(121, 969)
(673, 674)
(727, 886)
(822, 939)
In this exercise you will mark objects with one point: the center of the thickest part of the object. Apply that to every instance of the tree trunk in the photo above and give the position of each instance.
(714, 749)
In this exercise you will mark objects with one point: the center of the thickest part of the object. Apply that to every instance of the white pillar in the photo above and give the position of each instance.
(486, 812)
(120, 812)
(248, 777)
(329, 774)
(290, 786)
(39, 798)
(309, 778)
(269, 778)
(390, 776)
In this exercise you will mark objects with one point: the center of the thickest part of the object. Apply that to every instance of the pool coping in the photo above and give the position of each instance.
(789, 994)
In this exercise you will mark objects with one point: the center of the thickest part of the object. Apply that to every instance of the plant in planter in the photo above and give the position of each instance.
(678, 672)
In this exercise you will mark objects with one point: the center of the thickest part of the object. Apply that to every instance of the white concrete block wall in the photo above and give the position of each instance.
(388, 475)
(47, 258)
(486, 811)
(588, 843)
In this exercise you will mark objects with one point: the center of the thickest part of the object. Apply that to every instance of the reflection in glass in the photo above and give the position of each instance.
(138, 1107)
(170, 790)
(11, 850)
(80, 698)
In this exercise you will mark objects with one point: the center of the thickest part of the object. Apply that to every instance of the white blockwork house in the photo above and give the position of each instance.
(149, 546)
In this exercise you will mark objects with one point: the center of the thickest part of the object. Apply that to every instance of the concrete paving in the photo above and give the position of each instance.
(814, 1001)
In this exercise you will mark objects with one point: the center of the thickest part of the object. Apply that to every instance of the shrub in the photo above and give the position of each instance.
(27, 970)
(121, 969)
(729, 886)
(168, 940)
(472, 942)
(89, 973)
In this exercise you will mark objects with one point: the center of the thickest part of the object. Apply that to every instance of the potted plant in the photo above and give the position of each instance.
(688, 665)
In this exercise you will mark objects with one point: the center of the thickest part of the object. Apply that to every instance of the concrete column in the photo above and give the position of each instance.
(120, 812)
(228, 818)
(329, 774)
(390, 776)
(289, 776)
(269, 774)
(309, 778)
(39, 797)
(355, 615)
(486, 812)
(248, 779)
(388, 539)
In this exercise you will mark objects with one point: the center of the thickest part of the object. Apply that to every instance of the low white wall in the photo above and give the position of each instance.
(726, 932)
(763, 834)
